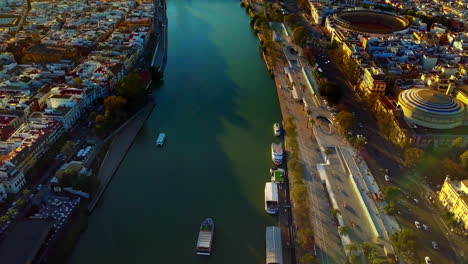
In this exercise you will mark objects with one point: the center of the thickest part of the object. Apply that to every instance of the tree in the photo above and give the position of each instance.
(336, 212)
(345, 119)
(351, 248)
(464, 159)
(368, 247)
(299, 192)
(19, 203)
(291, 19)
(115, 104)
(412, 155)
(80, 182)
(331, 91)
(438, 169)
(101, 123)
(308, 259)
(343, 230)
(26, 192)
(390, 209)
(299, 35)
(405, 241)
(68, 148)
(303, 4)
(12, 212)
(67, 177)
(370, 251)
(132, 87)
(305, 238)
(449, 219)
(4, 219)
(458, 143)
(391, 193)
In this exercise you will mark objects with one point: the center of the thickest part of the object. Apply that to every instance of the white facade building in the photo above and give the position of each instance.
(11, 177)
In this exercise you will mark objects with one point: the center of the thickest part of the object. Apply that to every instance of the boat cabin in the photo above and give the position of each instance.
(271, 198)
(274, 250)
(160, 140)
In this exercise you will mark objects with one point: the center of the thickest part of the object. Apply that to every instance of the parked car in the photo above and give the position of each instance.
(427, 260)
(417, 224)
(434, 245)
(425, 227)
(387, 178)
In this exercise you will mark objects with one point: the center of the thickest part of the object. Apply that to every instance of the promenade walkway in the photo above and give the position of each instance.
(118, 148)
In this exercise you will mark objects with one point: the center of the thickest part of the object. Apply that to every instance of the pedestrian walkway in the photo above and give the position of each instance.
(118, 148)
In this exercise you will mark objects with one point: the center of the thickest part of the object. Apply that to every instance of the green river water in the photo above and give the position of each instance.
(217, 106)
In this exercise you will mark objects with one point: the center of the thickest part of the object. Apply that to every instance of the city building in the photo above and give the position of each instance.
(11, 177)
(373, 81)
(454, 196)
(3, 193)
(432, 109)
(41, 53)
(25, 240)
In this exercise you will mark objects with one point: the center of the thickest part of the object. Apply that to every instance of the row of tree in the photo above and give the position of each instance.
(130, 95)
(299, 194)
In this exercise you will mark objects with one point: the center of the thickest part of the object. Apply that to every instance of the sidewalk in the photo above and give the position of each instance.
(118, 149)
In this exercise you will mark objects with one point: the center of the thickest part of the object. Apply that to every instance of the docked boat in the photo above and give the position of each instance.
(205, 237)
(160, 140)
(277, 153)
(271, 198)
(277, 175)
(274, 249)
(277, 129)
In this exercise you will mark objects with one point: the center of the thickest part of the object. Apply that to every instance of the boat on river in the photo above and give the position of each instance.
(277, 129)
(160, 140)
(205, 237)
(277, 153)
(271, 198)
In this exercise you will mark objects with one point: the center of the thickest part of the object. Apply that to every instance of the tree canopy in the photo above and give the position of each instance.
(299, 35)
(412, 155)
(132, 87)
(303, 4)
(305, 237)
(457, 143)
(405, 241)
(391, 193)
(308, 259)
(291, 19)
(67, 148)
(331, 91)
(345, 119)
(464, 159)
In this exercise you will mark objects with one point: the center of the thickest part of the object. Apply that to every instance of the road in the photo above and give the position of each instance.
(380, 153)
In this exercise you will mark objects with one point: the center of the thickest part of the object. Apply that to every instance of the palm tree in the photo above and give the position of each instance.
(351, 248)
(343, 230)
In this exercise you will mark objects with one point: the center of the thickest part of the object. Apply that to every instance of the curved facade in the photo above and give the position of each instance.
(371, 22)
(432, 109)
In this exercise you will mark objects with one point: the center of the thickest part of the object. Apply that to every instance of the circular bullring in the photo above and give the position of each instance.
(371, 22)
(431, 108)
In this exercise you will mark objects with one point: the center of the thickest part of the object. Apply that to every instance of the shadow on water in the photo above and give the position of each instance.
(216, 105)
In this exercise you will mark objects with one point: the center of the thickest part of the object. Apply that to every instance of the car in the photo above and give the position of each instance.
(427, 260)
(425, 227)
(434, 245)
(415, 200)
(417, 224)
(387, 178)
(361, 125)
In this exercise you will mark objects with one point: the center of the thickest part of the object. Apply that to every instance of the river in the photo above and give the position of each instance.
(217, 106)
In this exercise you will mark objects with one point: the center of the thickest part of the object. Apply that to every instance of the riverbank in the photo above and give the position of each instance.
(311, 234)
(120, 143)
